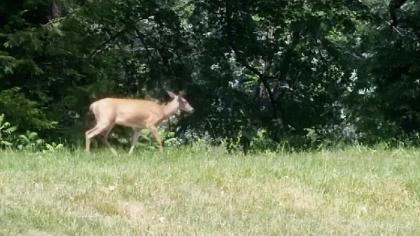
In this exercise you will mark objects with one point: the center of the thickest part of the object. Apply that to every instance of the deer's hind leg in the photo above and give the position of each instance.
(98, 129)
(105, 139)
(88, 138)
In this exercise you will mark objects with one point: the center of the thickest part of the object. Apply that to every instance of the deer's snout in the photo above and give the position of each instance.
(190, 109)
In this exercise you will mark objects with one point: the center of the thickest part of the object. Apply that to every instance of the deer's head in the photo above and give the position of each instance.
(184, 105)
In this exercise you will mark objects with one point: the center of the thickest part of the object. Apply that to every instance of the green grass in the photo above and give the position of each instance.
(206, 191)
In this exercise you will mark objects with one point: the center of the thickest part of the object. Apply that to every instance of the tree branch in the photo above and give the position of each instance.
(143, 41)
(394, 6)
(104, 44)
(261, 77)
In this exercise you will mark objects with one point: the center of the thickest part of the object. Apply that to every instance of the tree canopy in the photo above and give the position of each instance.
(258, 72)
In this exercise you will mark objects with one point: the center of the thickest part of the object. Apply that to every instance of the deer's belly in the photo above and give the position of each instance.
(134, 123)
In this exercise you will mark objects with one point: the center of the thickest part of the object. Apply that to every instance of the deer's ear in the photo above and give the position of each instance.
(182, 93)
(171, 94)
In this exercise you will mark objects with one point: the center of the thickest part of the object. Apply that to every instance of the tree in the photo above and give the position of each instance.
(290, 70)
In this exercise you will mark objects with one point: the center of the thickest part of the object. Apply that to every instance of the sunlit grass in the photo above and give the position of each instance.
(206, 191)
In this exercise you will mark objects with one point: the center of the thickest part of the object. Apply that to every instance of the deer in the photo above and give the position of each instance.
(137, 114)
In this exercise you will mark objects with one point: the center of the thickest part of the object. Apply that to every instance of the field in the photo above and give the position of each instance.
(206, 191)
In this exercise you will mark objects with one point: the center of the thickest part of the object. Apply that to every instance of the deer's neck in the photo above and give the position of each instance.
(170, 108)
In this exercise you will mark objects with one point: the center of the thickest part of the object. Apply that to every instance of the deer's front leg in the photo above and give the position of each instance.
(153, 131)
(136, 134)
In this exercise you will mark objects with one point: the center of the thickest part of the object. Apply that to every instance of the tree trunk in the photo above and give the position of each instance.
(56, 9)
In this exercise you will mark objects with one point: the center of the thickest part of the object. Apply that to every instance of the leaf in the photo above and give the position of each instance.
(7, 44)
(32, 135)
(24, 138)
(6, 143)
(11, 130)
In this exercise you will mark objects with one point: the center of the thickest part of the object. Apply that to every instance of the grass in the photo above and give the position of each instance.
(206, 191)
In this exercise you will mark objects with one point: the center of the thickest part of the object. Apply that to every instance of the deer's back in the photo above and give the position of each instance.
(127, 112)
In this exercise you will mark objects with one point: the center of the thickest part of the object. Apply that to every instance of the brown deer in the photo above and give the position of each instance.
(135, 113)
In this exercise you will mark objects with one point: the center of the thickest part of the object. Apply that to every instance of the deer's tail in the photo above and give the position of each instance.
(89, 117)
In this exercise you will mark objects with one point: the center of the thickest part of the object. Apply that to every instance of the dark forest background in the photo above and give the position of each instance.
(259, 72)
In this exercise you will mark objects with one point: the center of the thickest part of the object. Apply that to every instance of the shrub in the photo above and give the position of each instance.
(11, 138)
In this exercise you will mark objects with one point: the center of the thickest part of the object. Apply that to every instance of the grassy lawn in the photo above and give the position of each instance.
(206, 191)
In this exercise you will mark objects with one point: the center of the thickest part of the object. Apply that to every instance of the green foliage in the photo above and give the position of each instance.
(300, 72)
(386, 89)
(6, 132)
(24, 111)
(12, 138)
